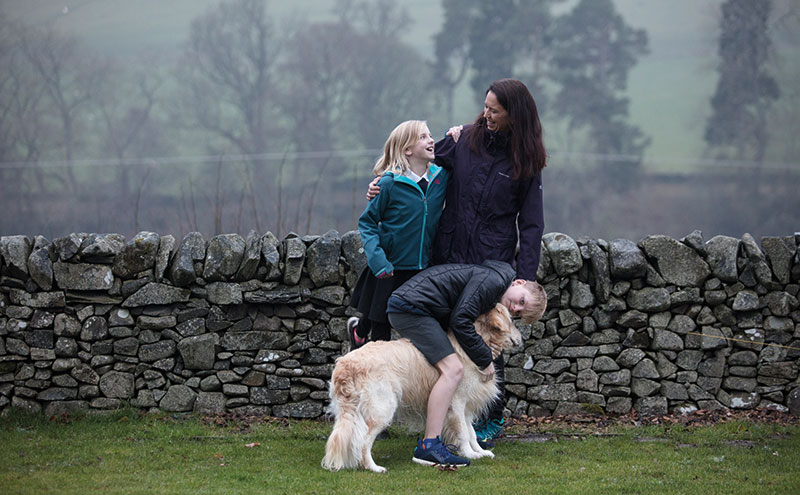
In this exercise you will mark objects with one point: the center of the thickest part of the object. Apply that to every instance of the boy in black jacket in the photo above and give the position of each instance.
(456, 294)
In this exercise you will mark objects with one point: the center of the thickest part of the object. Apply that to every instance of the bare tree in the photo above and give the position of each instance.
(70, 78)
(391, 81)
(127, 105)
(138, 200)
(226, 77)
(24, 131)
(374, 17)
(228, 90)
(318, 69)
(219, 201)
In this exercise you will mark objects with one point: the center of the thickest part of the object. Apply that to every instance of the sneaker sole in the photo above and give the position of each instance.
(353, 344)
(431, 463)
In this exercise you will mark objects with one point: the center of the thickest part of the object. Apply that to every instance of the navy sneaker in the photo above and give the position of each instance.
(432, 452)
(355, 340)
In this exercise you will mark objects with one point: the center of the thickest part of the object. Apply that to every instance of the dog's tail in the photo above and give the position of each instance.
(343, 449)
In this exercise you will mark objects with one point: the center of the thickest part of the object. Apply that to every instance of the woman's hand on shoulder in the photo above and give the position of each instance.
(455, 132)
(374, 189)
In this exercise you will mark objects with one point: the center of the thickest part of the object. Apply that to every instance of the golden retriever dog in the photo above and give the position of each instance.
(382, 381)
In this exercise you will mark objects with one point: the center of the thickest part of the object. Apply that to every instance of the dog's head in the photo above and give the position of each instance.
(498, 330)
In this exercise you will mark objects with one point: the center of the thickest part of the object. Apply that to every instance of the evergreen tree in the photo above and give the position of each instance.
(451, 47)
(534, 23)
(493, 40)
(745, 90)
(593, 52)
(493, 46)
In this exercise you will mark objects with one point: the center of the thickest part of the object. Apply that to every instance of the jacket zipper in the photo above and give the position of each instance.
(424, 222)
(424, 217)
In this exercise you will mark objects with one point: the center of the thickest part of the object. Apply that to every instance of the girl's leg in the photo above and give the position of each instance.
(363, 328)
(451, 370)
(381, 330)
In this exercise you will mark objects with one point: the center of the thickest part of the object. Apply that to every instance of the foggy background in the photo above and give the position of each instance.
(660, 116)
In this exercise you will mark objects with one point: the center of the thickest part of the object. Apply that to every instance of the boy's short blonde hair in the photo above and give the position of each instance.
(533, 313)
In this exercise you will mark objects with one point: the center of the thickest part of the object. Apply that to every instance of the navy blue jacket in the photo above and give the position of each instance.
(485, 208)
(456, 294)
(398, 225)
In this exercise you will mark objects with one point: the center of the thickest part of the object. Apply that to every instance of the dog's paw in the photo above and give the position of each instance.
(378, 469)
(477, 454)
(473, 454)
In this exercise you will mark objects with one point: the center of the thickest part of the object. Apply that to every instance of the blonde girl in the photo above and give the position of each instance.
(397, 229)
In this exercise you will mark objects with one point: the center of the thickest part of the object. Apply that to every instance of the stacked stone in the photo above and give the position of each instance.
(662, 326)
(233, 324)
(254, 325)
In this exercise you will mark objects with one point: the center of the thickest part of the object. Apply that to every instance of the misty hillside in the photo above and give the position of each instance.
(152, 115)
(665, 89)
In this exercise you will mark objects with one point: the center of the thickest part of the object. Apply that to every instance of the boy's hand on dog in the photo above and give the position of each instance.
(487, 373)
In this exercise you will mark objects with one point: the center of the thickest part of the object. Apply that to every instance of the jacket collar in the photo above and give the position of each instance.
(433, 171)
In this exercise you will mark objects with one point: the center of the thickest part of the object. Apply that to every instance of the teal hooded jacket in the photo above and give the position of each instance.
(398, 225)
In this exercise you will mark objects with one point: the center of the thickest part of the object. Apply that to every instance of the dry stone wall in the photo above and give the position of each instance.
(254, 325)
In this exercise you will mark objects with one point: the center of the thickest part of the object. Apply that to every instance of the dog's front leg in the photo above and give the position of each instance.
(463, 434)
(473, 441)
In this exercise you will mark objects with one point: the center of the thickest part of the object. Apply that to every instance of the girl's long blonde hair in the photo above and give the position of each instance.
(402, 137)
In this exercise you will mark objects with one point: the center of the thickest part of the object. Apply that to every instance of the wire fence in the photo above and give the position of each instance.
(586, 194)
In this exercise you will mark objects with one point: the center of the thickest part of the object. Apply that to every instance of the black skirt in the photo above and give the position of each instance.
(371, 293)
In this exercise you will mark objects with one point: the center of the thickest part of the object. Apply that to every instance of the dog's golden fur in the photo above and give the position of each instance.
(385, 380)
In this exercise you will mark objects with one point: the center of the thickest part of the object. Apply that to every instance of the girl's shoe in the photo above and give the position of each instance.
(489, 430)
(355, 340)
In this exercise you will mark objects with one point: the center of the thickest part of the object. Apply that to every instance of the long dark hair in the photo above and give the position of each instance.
(527, 154)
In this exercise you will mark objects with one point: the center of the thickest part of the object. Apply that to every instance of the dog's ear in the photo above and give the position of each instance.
(500, 318)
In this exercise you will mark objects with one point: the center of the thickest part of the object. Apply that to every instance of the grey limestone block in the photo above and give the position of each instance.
(722, 252)
(676, 262)
(83, 276)
(322, 259)
(15, 251)
(651, 406)
(137, 255)
(165, 247)
(563, 252)
(223, 257)
(156, 294)
(250, 258)
(192, 248)
(294, 255)
(179, 398)
(627, 260)
(101, 248)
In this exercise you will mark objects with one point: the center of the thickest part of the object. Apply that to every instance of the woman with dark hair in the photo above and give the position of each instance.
(494, 196)
(496, 189)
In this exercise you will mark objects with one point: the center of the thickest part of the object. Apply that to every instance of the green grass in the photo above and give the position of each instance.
(128, 453)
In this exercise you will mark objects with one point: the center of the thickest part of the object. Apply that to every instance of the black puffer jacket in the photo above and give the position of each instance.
(456, 294)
